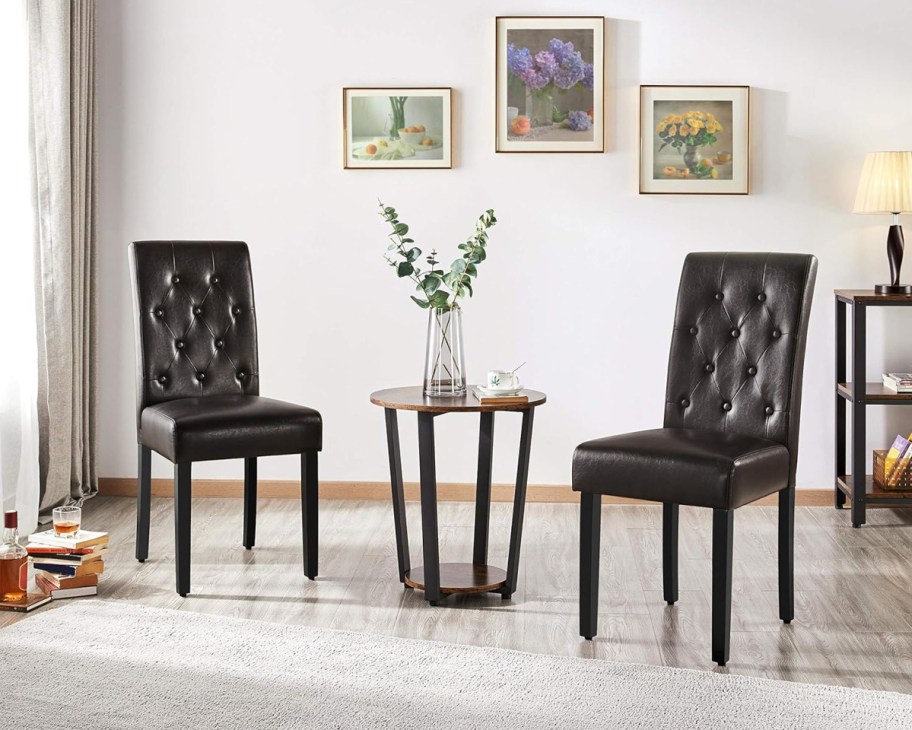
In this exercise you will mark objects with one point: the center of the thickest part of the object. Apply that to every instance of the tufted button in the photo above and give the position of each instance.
(752, 370)
(709, 367)
(179, 344)
(162, 379)
(201, 376)
(159, 313)
(219, 344)
(197, 310)
(175, 279)
(719, 296)
(726, 406)
(684, 403)
(693, 330)
(777, 334)
(215, 280)
(235, 310)
(736, 332)
(761, 297)
(241, 375)
(768, 410)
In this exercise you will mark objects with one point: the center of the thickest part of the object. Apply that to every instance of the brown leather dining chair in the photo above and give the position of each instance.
(730, 437)
(198, 386)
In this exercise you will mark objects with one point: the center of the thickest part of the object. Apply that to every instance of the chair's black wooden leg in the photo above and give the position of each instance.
(670, 552)
(723, 524)
(590, 536)
(428, 476)
(398, 495)
(182, 526)
(250, 498)
(310, 493)
(483, 489)
(787, 554)
(143, 503)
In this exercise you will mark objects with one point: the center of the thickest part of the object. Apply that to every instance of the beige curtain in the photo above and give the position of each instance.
(61, 79)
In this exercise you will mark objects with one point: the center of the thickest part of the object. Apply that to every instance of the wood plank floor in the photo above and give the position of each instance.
(853, 587)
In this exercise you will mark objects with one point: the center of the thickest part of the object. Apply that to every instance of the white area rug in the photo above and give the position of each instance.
(101, 664)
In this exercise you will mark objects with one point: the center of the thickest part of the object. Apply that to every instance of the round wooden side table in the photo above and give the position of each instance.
(440, 579)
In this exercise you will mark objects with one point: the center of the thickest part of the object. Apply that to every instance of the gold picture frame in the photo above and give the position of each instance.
(694, 140)
(372, 138)
(523, 125)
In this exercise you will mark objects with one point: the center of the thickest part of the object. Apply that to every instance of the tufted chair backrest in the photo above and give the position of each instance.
(737, 351)
(195, 320)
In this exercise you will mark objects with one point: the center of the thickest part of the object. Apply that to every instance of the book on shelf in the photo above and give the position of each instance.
(900, 382)
(32, 601)
(56, 592)
(61, 581)
(84, 539)
(487, 399)
(96, 568)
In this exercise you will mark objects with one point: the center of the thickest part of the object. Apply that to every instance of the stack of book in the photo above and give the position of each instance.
(68, 567)
(900, 382)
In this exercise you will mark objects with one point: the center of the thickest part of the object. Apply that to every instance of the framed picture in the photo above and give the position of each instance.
(404, 128)
(550, 84)
(695, 139)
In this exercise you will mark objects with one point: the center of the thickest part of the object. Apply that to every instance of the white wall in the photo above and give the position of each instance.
(223, 120)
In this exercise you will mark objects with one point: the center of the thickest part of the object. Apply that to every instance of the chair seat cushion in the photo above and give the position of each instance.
(229, 427)
(682, 466)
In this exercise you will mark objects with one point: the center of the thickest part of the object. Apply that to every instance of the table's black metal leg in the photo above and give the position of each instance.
(483, 488)
(428, 472)
(519, 503)
(858, 414)
(841, 404)
(398, 494)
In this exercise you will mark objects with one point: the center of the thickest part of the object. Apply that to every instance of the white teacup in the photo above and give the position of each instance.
(503, 380)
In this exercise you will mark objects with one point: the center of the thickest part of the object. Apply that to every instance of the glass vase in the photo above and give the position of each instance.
(444, 363)
(540, 108)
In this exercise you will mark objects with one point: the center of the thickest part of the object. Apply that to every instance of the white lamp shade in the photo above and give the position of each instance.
(886, 183)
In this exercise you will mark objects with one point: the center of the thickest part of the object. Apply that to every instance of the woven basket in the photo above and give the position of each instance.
(903, 484)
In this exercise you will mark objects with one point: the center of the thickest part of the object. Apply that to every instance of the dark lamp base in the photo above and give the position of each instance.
(891, 289)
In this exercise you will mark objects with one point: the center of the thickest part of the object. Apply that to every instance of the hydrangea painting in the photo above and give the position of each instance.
(550, 84)
(694, 139)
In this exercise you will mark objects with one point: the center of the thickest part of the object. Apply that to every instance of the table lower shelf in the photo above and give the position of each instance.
(461, 578)
(874, 495)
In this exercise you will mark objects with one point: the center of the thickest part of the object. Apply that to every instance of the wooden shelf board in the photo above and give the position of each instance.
(847, 484)
(875, 394)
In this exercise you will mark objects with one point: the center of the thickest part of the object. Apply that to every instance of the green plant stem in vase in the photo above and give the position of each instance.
(439, 291)
(397, 115)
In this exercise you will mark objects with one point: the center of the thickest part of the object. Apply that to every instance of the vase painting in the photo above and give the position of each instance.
(694, 139)
(397, 127)
(551, 71)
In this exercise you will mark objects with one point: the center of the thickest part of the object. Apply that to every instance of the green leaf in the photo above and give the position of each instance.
(439, 299)
(472, 270)
(430, 284)
(468, 287)
(407, 240)
(421, 302)
(458, 266)
(412, 254)
(664, 145)
(405, 269)
(401, 229)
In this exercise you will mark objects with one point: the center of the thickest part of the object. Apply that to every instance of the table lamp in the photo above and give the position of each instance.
(886, 187)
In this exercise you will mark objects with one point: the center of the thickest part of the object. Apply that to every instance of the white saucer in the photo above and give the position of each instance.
(500, 391)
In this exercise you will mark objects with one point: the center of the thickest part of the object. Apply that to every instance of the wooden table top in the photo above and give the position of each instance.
(412, 398)
(869, 296)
